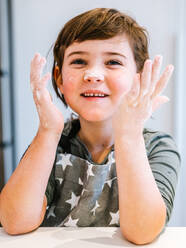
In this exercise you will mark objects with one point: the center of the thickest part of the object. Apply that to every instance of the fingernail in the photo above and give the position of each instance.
(43, 60)
(138, 76)
(170, 67)
(149, 62)
(159, 58)
(37, 55)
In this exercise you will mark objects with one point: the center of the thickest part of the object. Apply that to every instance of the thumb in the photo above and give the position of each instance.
(158, 101)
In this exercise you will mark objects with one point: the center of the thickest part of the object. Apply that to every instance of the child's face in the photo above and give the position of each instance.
(104, 65)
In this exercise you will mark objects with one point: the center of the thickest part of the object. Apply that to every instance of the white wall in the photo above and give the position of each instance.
(179, 213)
(36, 25)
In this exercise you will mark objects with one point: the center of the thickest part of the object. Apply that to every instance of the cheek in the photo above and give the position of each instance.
(122, 83)
(69, 83)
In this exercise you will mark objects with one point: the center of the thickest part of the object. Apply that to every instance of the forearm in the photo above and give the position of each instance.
(142, 209)
(22, 198)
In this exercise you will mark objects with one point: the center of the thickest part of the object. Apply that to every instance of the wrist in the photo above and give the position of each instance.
(128, 140)
(129, 131)
(50, 134)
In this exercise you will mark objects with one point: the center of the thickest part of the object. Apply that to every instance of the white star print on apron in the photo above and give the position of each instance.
(86, 193)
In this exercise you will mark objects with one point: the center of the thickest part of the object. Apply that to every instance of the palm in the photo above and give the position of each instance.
(50, 116)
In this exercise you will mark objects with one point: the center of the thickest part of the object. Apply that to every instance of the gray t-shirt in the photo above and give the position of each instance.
(83, 193)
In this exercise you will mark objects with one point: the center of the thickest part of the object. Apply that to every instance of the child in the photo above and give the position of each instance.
(102, 168)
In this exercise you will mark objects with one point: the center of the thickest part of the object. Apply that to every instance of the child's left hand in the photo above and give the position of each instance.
(144, 97)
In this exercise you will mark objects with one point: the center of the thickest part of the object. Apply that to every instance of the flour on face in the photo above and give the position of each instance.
(93, 74)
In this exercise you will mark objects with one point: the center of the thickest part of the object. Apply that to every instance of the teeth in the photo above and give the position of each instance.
(91, 94)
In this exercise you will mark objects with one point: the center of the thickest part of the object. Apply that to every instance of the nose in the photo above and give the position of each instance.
(93, 76)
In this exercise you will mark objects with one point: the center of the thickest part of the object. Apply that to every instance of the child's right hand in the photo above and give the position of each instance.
(51, 119)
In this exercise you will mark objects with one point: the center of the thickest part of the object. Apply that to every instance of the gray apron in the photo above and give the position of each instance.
(86, 193)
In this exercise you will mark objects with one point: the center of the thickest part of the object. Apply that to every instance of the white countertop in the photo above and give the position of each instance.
(88, 237)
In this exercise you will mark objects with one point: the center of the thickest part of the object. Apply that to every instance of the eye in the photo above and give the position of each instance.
(78, 62)
(113, 62)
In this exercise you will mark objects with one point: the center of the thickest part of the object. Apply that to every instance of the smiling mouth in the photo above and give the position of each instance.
(94, 95)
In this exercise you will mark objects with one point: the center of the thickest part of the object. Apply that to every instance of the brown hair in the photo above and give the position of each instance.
(98, 24)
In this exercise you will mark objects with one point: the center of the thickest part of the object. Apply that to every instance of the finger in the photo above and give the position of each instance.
(155, 73)
(38, 66)
(45, 79)
(36, 69)
(163, 81)
(158, 101)
(135, 90)
(41, 84)
(145, 78)
(42, 97)
(37, 91)
(34, 63)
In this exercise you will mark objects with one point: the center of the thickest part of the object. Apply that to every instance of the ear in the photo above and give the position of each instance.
(58, 78)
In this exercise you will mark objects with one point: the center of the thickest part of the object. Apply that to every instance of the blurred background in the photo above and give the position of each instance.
(31, 26)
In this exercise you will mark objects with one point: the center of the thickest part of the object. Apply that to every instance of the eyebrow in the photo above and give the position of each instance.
(114, 53)
(76, 52)
(86, 53)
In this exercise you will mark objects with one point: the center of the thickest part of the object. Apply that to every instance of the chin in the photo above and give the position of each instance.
(93, 117)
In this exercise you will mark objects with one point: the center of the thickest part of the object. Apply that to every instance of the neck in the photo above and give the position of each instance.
(96, 135)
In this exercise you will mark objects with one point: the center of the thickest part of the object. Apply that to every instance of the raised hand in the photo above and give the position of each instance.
(144, 97)
(51, 119)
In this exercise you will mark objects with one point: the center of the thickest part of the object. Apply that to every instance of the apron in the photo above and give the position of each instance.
(86, 194)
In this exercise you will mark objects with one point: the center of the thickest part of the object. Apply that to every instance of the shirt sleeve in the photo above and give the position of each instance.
(164, 161)
(50, 189)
